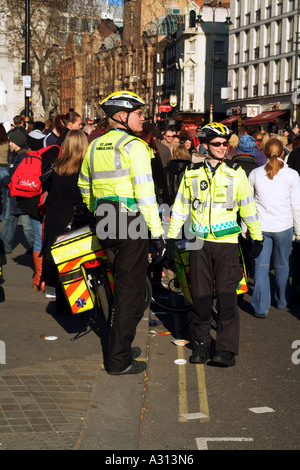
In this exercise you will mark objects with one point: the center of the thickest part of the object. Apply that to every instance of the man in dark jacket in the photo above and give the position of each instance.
(18, 146)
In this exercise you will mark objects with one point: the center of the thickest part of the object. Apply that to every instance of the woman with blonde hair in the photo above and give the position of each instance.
(276, 191)
(63, 196)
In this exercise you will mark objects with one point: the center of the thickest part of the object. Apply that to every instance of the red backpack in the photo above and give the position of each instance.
(25, 180)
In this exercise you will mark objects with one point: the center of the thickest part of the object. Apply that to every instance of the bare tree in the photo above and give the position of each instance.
(51, 21)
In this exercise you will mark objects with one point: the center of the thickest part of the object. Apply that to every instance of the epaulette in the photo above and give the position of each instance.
(232, 164)
(196, 166)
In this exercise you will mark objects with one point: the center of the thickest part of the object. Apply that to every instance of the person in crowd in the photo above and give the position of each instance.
(18, 147)
(31, 207)
(63, 195)
(159, 178)
(61, 126)
(286, 150)
(87, 129)
(245, 153)
(168, 138)
(294, 157)
(71, 121)
(175, 169)
(259, 153)
(18, 124)
(176, 140)
(289, 134)
(116, 173)
(48, 127)
(35, 138)
(164, 151)
(194, 154)
(3, 166)
(233, 142)
(101, 127)
(242, 131)
(196, 140)
(212, 194)
(276, 190)
(57, 130)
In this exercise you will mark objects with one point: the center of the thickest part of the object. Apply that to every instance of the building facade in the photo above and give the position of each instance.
(263, 62)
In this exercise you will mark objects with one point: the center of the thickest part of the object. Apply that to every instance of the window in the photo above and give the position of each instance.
(191, 101)
(266, 79)
(268, 39)
(192, 46)
(191, 75)
(192, 19)
(247, 45)
(220, 47)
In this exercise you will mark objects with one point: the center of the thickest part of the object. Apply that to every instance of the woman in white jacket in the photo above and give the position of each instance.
(276, 190)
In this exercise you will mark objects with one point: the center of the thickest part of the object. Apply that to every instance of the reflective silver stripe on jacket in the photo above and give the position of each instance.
(250, 218)
(178, 216)
(118, 171)
(182, 198)
(142, 179)
(146, 201)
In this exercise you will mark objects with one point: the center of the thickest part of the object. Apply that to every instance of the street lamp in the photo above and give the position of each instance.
(27, 59)
(295, 100)
(213, 5)
(150, 37)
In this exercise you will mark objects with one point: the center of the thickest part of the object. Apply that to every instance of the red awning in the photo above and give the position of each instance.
(262, 118)
(231, 119)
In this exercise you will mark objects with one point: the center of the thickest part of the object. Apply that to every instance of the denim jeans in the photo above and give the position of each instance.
(37, 229)
(4, 190)
(280, 243)
(9, 226)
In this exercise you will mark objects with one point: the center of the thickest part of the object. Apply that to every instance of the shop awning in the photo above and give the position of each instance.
(231, 119)
(262, 118)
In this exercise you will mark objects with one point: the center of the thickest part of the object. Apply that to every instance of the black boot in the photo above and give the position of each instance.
(200, 354)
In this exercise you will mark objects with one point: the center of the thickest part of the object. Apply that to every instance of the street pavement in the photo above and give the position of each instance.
(55, 394)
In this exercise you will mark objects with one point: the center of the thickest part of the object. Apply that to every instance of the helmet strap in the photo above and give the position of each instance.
(129, 131)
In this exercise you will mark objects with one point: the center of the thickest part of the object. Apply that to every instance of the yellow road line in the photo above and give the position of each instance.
(203, 402)
(182, 398)
(202, 393)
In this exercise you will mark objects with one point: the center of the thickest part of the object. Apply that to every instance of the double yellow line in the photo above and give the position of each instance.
(203, 413)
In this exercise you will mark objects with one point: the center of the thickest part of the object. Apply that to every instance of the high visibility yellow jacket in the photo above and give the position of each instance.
(117, 166)
(214, 200)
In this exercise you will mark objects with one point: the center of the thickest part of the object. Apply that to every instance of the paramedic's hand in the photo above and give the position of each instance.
(159, 246)
(256, 249)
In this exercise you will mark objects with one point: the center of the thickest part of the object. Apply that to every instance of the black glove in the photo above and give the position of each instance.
(256, 248)
(159, 246)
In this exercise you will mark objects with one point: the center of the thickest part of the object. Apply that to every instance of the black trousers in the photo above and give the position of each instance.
(130, 271)
(216, 267)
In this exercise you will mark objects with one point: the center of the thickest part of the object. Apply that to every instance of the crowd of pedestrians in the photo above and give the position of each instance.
(265, 165)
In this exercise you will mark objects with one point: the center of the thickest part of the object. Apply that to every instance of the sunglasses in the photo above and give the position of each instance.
(218, 144)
